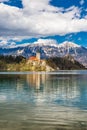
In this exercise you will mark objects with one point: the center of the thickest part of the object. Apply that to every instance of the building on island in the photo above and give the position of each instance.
(35, 58)
(38, 56)
(36, 63)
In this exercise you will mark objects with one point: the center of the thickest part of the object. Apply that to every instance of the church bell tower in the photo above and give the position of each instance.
(38, 55)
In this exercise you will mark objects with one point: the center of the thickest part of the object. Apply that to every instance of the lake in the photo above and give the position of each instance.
(43, 101)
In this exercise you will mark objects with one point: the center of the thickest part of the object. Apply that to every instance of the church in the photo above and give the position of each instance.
(35, 58)
(36, 63)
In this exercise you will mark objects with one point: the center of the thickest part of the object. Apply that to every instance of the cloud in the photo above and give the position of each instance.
(46, 41)
(38, 18)
(82, 2)
(79, 39)
(10, 44)
(4, 0)
(6, 43)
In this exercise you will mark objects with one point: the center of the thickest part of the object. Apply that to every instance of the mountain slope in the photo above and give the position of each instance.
(19, 63)
(49, 50)
(64, 63)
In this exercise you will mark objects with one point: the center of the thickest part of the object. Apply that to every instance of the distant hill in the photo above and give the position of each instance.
(65, 63)
(12, 61)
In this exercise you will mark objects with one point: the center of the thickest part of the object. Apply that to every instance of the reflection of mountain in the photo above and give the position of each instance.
(8, 82)
(57, 87)
(60, 103)
(62, 89)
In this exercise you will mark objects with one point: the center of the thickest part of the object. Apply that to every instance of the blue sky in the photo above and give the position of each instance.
(24, 21)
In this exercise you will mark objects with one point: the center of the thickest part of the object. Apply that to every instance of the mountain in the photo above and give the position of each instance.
(19, 63)
(49, 50)
(64, 63)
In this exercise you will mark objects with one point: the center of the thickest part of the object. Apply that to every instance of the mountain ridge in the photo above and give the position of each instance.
(49, 49)
(19, 63)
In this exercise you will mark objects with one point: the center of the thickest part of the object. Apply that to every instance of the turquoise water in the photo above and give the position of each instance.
(43, 101)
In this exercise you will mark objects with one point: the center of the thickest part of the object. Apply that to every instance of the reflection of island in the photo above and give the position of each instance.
(36, 80)
(63, 86)
(52, 86)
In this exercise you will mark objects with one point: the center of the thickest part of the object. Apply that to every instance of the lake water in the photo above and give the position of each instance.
(43, 101)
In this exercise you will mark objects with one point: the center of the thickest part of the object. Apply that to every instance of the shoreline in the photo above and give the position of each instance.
(46, 72)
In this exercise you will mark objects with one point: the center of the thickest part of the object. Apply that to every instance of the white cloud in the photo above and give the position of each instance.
(82, 2)
(4, 0)
(10, 44)
(79, 39)
(6, 43)
(35, 6)
(46, 41)
(39, 19)
(3, 43)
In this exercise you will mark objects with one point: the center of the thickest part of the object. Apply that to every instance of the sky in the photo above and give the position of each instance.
(28, 21)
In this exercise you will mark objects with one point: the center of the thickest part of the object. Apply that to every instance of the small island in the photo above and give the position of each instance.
(36, 63)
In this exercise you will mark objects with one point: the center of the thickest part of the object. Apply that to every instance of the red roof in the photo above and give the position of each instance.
(33, 58)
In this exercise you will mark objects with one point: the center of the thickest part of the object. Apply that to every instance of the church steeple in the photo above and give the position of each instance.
(38, 55)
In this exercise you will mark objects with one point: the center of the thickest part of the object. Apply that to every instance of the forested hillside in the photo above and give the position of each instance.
(19, 63)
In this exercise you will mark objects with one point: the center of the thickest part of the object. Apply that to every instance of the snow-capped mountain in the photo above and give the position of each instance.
(49, 49)
(69, 44)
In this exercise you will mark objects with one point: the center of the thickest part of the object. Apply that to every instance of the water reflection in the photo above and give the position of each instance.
(41, 99)
(65, 89)
(36, 80)
(69, 90)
